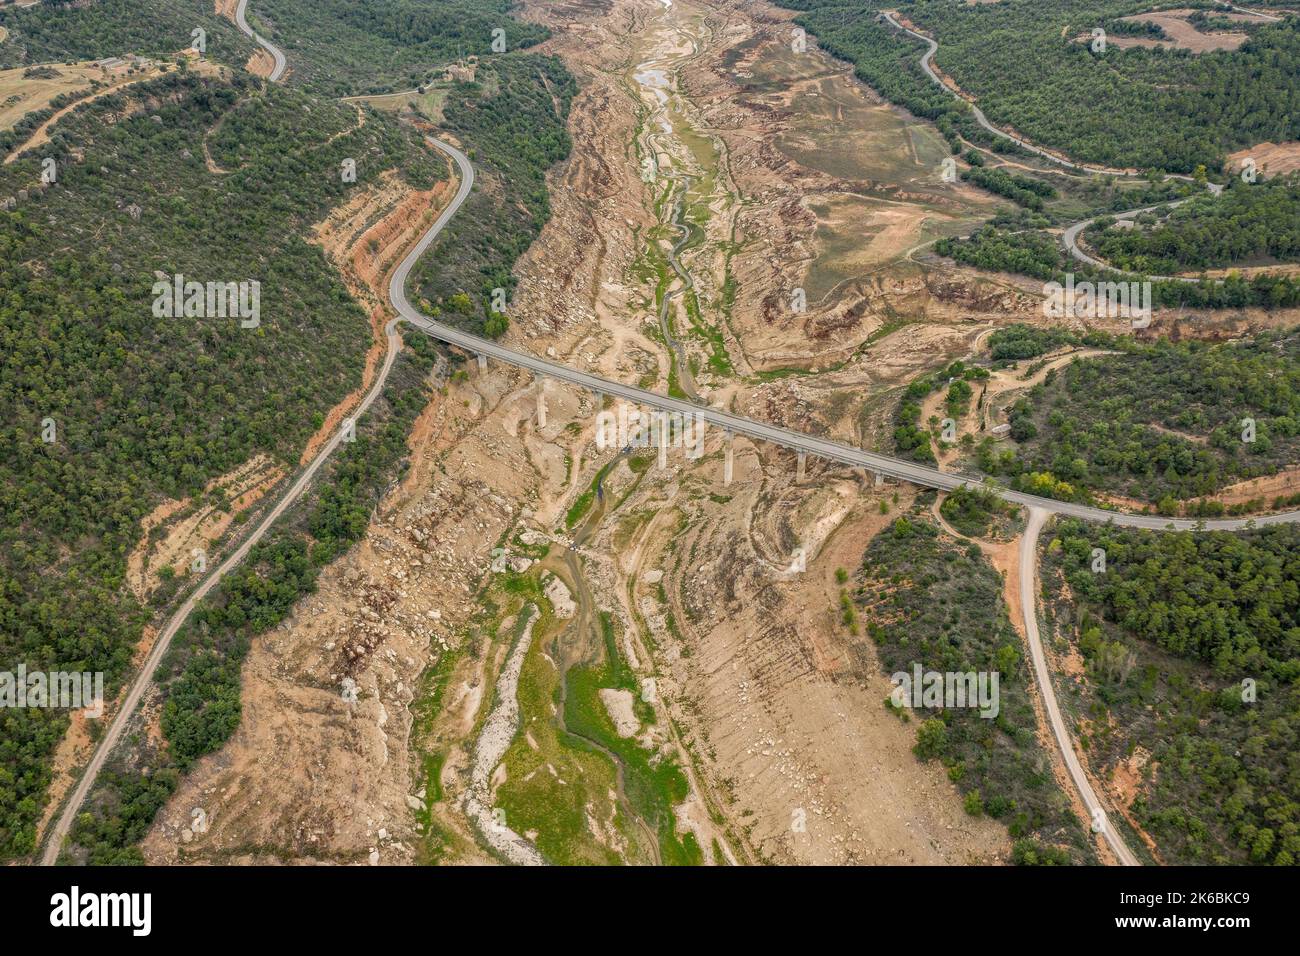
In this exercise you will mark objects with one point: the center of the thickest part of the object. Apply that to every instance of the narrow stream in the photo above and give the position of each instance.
(685, 380)
(653, 76)
(586, 638)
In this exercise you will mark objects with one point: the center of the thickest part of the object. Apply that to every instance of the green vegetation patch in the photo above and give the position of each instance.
(1192, 648)
(1160, 423)
(974, 511)
(53, 32)
(558, 786)
(1254, 223)
(200, 674)
(929, 601)
(653, 782)
(340, 47)
(513, 121)
(145, 407)
(1022, 62)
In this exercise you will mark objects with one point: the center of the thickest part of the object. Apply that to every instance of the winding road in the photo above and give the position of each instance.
(1070, 237)
(927, 64)
(1039, 508)
(277, 54)
(59, 832)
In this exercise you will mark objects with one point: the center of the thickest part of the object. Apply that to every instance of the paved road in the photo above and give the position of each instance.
(163, 642)
(927, 60)
(1029, 605)
(821, 447)
(1258, 13)
(833, 451)
(61, 828)
(1070, 238)
(277, 54)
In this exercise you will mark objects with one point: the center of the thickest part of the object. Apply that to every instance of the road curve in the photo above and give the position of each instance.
(833, 451)
(277, 54)
(1029, 606)
(1070, 238)
(821, 447)
(927, 60)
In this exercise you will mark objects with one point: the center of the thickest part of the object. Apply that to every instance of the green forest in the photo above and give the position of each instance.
(912, 437)
(65, 32)
(513, 118)
(1255, 223)
(1039, 254)
(1192, 649)
(1161, 423)
(200, 677)
(340, 47)
(932, 601)
(147, 408)
(1139, 107)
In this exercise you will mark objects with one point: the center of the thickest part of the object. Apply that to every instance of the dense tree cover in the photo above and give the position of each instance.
(513, 119)
(1013, 343)
(972, 511)
(1032, 253)
(145, 204)
(1149, 109)
(1139, 107)
(1039, 254)
(1159, 423)
(341, 47)
(931, 602)
(200, 676)
(888, 62)
(1207, 22)
(1023, 190)
(147, 407)
(66, 32)
(1249, 223)
(911, 439)
(1170, 631)
(1145, 29)
(1013, 239)
(118, 819)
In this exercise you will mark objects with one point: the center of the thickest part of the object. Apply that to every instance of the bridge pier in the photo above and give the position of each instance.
(541, 402)
(800, 468)
(662, 429)
(729, 459)
(482, 362)
(880, 479)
